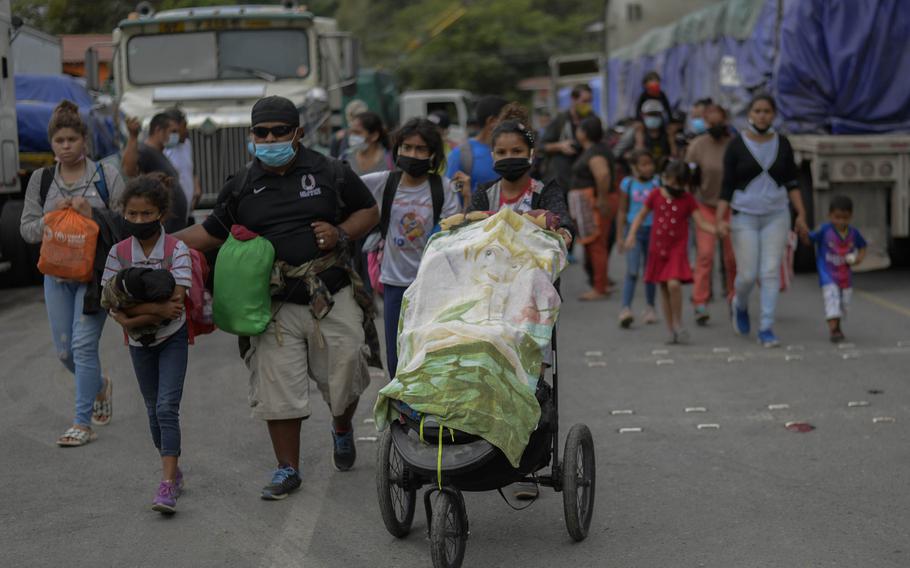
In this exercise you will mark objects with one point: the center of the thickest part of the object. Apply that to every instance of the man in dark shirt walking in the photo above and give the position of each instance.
(148, 157)
(309, 207)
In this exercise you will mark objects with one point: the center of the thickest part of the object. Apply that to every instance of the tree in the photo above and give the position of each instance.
(484, 47)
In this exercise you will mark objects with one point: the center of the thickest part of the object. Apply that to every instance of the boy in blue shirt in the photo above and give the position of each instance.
(838, 246)
(479, 164)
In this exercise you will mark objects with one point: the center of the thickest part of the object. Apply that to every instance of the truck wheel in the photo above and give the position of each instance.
(900, 252)
(23, 256)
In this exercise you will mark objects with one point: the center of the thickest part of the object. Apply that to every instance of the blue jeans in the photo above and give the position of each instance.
(391, 302)
(636, 260)
(759, 242)
(161, 370)
(76, 337)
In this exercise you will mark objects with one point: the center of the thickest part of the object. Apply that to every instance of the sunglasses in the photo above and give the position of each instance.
(279, 131)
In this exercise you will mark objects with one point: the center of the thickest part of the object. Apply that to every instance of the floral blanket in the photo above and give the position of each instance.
(475, 326)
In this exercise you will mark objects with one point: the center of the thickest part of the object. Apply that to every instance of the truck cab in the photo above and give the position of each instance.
(456, 103)
(215, 62)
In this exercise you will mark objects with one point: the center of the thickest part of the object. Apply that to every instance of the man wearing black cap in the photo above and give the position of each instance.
(309, 207)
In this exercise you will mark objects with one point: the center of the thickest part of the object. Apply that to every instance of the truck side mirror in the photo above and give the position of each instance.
(92, 72)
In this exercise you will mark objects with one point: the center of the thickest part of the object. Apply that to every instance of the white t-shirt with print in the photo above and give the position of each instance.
(410, 225)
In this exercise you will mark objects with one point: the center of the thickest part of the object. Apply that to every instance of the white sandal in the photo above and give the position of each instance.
(102, 410)
(76, 437)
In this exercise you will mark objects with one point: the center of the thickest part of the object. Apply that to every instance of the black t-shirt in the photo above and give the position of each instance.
(581, 172)
(151, 161)
(282, 209)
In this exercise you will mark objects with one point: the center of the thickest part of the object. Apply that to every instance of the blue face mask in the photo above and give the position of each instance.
(653, 121)
(274, 155)
(698, 126)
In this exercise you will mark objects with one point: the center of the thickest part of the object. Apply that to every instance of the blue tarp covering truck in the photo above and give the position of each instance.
(838, 69)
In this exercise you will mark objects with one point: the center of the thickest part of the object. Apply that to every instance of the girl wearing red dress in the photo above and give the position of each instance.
(668, 258)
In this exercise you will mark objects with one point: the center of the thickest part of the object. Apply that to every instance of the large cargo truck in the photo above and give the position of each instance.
(835, 68)
(214, 62)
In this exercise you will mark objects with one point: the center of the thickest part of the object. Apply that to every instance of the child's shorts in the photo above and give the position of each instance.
(836, 300)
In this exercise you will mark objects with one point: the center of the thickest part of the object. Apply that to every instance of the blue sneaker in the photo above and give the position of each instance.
(767, 338)
(740, 319)
(343, 452)
(285, 480)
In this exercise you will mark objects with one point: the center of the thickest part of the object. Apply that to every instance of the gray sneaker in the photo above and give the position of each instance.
(344, 453)
(284, 481)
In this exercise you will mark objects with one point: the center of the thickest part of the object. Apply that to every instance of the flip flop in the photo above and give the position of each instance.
(75, 437)
(102, 410)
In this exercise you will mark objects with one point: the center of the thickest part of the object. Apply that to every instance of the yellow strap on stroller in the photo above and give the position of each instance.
(442, 428)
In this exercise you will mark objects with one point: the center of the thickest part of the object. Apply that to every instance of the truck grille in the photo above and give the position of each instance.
(218, 156)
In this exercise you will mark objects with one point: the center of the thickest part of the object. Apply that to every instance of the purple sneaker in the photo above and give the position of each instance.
(166, 500)
(179, 481)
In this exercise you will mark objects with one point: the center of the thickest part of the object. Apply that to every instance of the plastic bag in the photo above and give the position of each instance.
(68, 245)
(242, 304)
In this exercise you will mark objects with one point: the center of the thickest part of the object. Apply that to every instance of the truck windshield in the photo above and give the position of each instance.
(212, 56)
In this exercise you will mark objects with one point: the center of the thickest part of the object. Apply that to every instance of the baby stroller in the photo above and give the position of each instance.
(405, 464)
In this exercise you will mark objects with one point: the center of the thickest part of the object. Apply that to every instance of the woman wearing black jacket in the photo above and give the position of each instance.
(759, 184)
(513, 144)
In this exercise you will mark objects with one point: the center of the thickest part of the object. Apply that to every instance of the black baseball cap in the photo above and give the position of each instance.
(275, 109)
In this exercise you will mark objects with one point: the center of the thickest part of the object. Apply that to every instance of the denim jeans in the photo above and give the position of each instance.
(76, 337)
(759, 242)
(161, 370)
(636, 260)
(391, 303)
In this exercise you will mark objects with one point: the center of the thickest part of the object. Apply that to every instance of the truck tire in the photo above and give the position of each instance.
(804, 256)
(23, 256)
(899, 251)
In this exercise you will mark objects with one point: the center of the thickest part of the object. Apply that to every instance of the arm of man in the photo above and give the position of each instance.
(130, 161)
(212, 232)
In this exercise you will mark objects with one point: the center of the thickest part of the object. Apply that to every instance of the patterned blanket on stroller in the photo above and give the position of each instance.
(475, 327)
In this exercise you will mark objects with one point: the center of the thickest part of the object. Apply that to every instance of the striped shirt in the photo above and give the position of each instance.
(181, 269)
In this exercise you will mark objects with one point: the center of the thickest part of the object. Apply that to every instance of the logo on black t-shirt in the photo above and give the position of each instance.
(308, 182)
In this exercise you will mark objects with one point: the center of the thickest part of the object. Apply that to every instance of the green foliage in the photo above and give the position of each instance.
(488, 49)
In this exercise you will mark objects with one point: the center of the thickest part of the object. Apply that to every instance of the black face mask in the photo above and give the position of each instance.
(512, 169)
(717, 131)
(675, 191)
(142, 231)
(414, 167)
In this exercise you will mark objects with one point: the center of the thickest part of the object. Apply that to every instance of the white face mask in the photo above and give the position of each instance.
(173, 139)
(356, 142)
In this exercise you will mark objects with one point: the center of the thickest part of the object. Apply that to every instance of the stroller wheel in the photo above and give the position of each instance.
(578, 475)
(397, 496)
(448, 530)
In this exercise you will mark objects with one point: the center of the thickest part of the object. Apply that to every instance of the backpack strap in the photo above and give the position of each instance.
(101, 185)
(338, 175)
(124, 252)
(47, 178)
(466, 157)
(388, 196)
(170, 245)
(438, 196)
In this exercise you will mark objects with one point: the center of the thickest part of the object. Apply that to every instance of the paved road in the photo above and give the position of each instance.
(749, 494)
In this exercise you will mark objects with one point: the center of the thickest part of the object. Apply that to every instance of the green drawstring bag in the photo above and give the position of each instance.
(242, 304)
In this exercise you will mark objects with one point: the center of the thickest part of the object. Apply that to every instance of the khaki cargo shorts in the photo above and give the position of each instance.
(296, 348)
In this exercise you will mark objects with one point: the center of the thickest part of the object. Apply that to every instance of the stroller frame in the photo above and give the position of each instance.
(447, 521)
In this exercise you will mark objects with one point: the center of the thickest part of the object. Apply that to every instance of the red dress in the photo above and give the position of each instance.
(668, 250)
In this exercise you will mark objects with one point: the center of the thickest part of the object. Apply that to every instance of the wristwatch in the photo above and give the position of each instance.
(343, 237)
